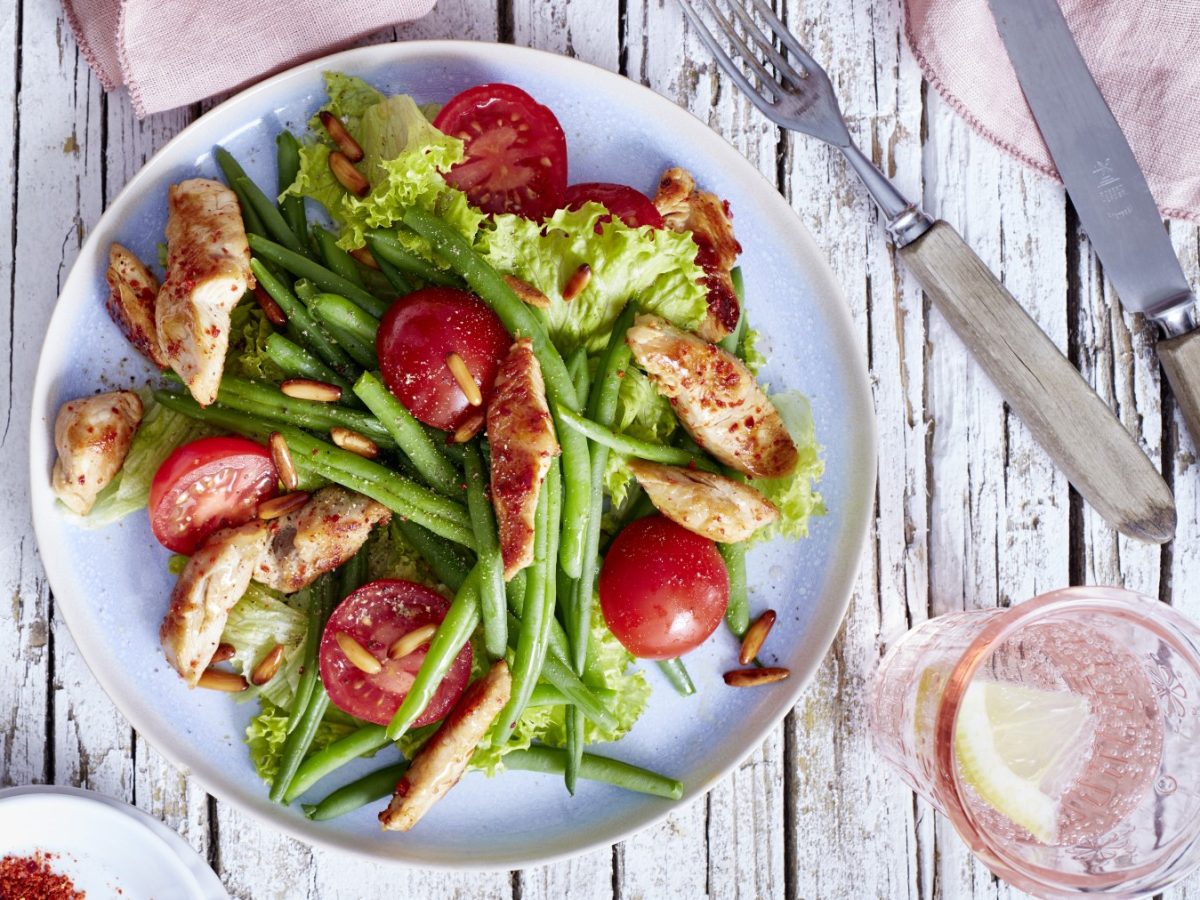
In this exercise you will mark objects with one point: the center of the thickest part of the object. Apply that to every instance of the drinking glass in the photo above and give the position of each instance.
(1117, 675)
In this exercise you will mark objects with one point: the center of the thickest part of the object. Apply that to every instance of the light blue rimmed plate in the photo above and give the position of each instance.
(112, 584)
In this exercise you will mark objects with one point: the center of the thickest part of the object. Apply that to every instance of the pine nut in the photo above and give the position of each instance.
(220, 680)
(268, 666)
(281, 505)
(358, 655)
(285, 468)
(468, 429)
(755, 635)
(224, 652)
(310, 389)
(340, 136)
(407, 643)
(363, 255)
(458, 368)
(354, 442)
(577, 282)
(274, 312)
(755, 677)
(348, 176)
(527, 293)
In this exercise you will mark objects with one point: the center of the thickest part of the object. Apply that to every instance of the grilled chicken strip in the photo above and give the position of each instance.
(208, 271)
(133, 292)
(211, 583)
(443, 759)
(92, 436)
(317, 538)
(686, 208)
(711, 505)
(521, 433)
(716, 398)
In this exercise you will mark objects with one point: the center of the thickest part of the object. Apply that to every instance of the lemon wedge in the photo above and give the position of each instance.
(1016, 745)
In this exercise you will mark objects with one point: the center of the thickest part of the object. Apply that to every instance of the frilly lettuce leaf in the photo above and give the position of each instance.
(268, 730)
(643, 413)
(260, 620)
(795, 494)
(247, 357)
(349, 99)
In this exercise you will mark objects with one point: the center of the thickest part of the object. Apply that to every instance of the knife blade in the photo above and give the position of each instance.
(1106, 185)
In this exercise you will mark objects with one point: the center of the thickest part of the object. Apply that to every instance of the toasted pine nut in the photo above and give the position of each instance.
(274, 312)
(577, 282)
(223, 652)
(337, 131)
(468, 429)
(220, 680)
(310, 389)
(755, 635)
(458, 368)
(527, 292)
(359, 655)
(348, 176)
(285, 468)
(281, 505)
(268, 666)
(363, 255)
(354, 442)
(755, 677)
(407, 643)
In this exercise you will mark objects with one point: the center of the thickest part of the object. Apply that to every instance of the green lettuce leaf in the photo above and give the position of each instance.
(751, 355)
(349, 99)
(260, 620)
(247, 356)
(656, 267)
(267, 731)
(389, 555)
(795, 494)
(390, 128)
(643, 413)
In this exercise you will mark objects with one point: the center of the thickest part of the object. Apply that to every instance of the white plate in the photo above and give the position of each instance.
(112, 585)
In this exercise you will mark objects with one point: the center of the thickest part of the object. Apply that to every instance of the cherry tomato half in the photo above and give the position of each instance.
(630, 206)
(376, 616)
(516, 152)
(663, 589)
(209, 484)
(417, 335)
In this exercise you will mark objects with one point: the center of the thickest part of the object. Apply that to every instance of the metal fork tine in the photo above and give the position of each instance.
(748, 56)
(755, 33)
(725, 61)
(788, 39)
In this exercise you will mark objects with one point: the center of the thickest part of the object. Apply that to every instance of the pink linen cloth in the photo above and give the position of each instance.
(173, 52)
(1144, 55)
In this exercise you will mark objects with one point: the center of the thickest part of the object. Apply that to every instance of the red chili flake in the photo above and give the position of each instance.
(29, 877)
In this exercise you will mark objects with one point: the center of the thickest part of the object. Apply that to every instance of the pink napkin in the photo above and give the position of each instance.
(173, 52)
(1144, 55)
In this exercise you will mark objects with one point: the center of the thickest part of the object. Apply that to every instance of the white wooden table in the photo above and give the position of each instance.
(969, 513)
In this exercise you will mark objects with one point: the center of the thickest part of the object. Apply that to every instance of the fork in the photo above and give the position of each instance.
(1073, 425)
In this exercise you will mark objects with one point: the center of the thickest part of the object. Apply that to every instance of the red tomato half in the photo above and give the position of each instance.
(663, 589)
(376, 615)
(207, 485)
(416, 335)
(516, 152)
(630, 206)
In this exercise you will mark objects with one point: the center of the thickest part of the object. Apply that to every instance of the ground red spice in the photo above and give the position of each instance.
(31, 878)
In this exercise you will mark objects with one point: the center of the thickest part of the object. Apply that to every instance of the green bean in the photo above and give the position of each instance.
(732, 342)
(353, 328)
(455, 630)
(519, 319)
(357, 794)
(303, 267)
(319, 602)
(296, 362)
(451, 564)
(301, 323)
(677, 674)
(364, 741)
(394, 276)
(737, 613)
(268, 402)
(385, 247)
(287, 164)
(487, 545)
(337, 260)
(297, 743)
(539, 758)
(232, 170)
(631, 446)
(269, 214)
(410, 437)
(577, 367)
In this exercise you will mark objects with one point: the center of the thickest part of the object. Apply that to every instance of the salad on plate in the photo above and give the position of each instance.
(443, 443)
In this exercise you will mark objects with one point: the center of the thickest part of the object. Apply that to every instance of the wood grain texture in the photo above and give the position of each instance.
(1180, 358)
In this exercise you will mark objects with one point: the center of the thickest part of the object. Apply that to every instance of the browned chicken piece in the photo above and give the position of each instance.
(92, 436)
(208, 271)
(133, 291)
(711, 505)
(317, 538)
(521, 434)
(443, 759)
(213, 580)
(686, 208)
(716, 398)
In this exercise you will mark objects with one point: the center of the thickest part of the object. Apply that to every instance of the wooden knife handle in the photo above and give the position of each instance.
(1180, 357)
(1073, 425)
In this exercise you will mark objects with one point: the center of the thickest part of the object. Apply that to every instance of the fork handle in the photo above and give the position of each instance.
(1073, 425)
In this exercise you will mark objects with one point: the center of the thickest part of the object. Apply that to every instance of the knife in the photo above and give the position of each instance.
(1106, 186)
